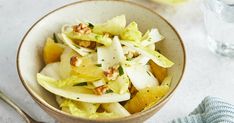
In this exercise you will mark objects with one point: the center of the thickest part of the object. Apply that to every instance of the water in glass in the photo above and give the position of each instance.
(219, 24)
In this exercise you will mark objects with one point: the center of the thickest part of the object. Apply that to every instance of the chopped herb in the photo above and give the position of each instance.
(102, 59)
(129, 59)
(113, 57)
(99, 65)
(149, 39)
(148, 73)
(158, 56)
(90, 25)
(55, 38)
(109, 91)
(121, 72)
(77, 98)
(81, 84)
(97, 37)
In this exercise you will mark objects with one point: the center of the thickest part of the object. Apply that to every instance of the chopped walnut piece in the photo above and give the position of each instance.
(82, 28)
(107, 34)
(131, 54)
(92, 45)
(86, 44)
(112, 73)
(75, 61)
(100, 90)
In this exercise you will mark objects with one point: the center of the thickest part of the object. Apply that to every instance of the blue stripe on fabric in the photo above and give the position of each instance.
(211, 110)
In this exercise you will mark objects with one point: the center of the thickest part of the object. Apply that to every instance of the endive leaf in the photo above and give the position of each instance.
(154, 55)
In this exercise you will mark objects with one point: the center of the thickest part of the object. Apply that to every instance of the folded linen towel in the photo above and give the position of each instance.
(211, 110)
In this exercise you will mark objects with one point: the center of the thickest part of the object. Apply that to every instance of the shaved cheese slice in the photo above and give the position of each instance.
(147, 67)
(112, 55)
(51, 70)
(141, 77)
(151, 37)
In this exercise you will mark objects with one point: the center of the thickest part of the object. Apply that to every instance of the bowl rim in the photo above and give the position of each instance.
(38, 99)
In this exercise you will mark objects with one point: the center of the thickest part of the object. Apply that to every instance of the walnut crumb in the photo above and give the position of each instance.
(100, 90)
(112, 73)
(75, 61)
(107, 34)
(132, 54)
(82, 28)
(86, 44)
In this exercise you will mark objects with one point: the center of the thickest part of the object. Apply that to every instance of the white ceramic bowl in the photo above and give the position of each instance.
(30, 60)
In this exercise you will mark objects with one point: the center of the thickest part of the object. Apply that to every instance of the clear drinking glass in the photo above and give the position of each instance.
(219, 24)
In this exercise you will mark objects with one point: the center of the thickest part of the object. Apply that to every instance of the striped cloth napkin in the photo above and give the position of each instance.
(211, 110)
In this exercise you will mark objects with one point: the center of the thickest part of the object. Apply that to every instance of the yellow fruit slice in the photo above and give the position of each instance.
(52, 51)
(145, 98)
(159, 72)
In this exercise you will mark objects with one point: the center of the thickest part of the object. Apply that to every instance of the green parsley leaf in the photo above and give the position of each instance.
(99, 65)
(90, 25)
(55, 38)
(121, 72)
(109, 91)
(81, 84)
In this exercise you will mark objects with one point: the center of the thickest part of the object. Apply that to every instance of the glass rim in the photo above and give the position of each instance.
(225, 3)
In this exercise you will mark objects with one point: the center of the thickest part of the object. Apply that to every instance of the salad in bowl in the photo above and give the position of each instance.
(105, 70)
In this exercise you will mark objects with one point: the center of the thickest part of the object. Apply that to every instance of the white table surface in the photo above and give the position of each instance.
(206, 74)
